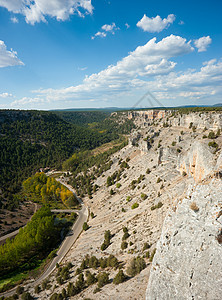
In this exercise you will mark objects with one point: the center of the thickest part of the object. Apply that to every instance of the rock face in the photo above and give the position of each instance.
(187, 264)
(210, 120)
(198, 162)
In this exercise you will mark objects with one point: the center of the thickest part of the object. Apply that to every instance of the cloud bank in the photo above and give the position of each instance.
(155, 24)
(8, 58)
(37, 10)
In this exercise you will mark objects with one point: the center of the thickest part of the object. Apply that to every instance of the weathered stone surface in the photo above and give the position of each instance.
(198, 162)
(187, 264)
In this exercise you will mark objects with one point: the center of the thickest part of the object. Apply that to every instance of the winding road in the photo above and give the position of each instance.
(67, 243)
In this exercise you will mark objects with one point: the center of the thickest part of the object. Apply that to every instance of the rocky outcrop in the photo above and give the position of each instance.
(187, 264)
(208, 120)
(198, 162)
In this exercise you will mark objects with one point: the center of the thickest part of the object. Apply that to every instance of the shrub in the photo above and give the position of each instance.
(27, 296)
(112, 192)
(194, 206)
(125, 236)
(211, 135)
(159, 205)
(103, 279)
(80, 283)
(135, 205)
(19, 290)
(125, 229)
(92, 215)
(85, 226)
(119, 278)
(124, 245)
(118, 185)
(152, 255)
(143, 196)
(71, 290)
(213, 144)
(148, 171)
(146, 246)
(37, 289)
(158, 180)
(184, 173)
(91, 279)
(174, 143)
(135, 266)
(128, 198)
(112, 261)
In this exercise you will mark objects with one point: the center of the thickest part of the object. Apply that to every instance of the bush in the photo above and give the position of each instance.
(158, 180)
(159, 205)
(119, 278)
(135, 205)
(136, 265)
(112, 261)
(152, 255)
(118, 185)
(90, 279)
(213, 144)
(143, 196)
(85, 226)
(27, 296)
(146, 246)
(71, 290)
(37, 289)
(19, 290)
(103, 279)
(211, 135)
(174, 143)
(128, 198)
(124, 245)
(80, 283)
(125, 236)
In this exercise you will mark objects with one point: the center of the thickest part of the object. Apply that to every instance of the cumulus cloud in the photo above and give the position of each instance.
(148, 61)
(155, 24)
(105, 29)
(5, 95)
(8, 58)
(127, 25)
(37, 10)
(202, 43)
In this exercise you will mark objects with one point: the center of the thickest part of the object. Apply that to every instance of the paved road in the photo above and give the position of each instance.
(65, 246)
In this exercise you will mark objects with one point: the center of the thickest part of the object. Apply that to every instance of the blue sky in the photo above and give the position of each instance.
(100, 53)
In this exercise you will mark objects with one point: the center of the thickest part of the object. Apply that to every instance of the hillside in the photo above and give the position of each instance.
(167, 160)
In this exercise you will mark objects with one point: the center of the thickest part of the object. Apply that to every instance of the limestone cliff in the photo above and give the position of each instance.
(188, 264)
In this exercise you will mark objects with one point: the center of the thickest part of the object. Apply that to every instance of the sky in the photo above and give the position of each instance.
(58, 54)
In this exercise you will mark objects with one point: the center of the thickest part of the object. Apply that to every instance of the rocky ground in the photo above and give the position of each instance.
(164, 183)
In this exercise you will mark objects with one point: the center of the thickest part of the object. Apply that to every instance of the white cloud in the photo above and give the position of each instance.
(37, 10)
(8, 58)
(105, 29)
(146, 61)
(26, 101)
(155, 24)
(181, 22)
(202, 43)
(14, 20)
(5, 95)
(127, 25)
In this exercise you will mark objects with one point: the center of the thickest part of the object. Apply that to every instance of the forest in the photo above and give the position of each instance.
(47, 191)
(30, 140)
(32, 243)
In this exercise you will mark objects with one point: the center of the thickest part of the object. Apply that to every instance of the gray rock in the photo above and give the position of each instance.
(188, 264)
